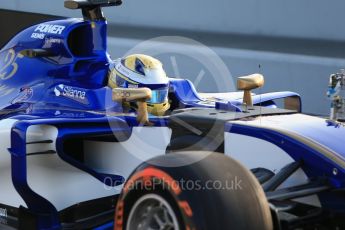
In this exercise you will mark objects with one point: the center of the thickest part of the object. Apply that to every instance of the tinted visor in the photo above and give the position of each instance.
(159, 96)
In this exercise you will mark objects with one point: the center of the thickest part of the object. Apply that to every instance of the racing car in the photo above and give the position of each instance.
(72, 158)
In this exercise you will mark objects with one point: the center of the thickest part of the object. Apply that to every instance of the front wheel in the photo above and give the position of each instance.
(152, 211)
(216, 192)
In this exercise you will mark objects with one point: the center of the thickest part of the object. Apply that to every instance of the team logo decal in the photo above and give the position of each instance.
(43, 29)
(25, 95)
(9, 65)
(71, 93)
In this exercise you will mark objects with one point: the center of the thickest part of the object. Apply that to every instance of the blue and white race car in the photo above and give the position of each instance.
(72, 158)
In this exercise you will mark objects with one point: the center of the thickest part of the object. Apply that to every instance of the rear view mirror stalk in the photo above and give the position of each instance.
(138, 95)
(248, 83)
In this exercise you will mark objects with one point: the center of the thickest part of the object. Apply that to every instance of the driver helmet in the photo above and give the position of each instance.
(138, 70)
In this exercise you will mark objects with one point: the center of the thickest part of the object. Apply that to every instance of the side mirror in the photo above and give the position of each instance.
(91, 9)
(79, 4)
(248, 83)
(138, 95)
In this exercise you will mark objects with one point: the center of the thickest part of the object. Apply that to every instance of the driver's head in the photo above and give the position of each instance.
(140, 70)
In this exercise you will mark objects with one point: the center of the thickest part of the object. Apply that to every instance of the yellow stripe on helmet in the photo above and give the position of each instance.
(149, 62)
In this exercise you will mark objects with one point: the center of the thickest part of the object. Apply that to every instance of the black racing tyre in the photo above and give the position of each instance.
(214, 193)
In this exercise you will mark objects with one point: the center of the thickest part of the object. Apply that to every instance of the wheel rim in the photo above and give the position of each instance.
(152, 212)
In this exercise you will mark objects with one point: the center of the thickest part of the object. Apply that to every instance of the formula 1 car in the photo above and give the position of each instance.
(71, 158)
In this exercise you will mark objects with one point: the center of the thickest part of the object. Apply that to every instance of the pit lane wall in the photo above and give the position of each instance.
(311, 19)
(302, 42)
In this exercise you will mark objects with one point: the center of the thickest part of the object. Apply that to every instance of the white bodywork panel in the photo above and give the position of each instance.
(9, 195)
(47, 175)
(254, 152)
(62, 184)
(65, 185)
(122, 158)
(52, 178)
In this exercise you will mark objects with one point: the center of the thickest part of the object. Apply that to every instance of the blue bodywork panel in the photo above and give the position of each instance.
(77, 66)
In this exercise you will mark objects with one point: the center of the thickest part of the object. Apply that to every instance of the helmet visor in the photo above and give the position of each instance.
(159, 96)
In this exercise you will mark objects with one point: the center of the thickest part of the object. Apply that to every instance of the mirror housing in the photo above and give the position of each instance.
(79, 4)
(248, 83)
(91, 9)
(138, 95)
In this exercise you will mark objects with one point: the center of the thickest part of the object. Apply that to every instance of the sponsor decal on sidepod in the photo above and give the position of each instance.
(71, 93)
